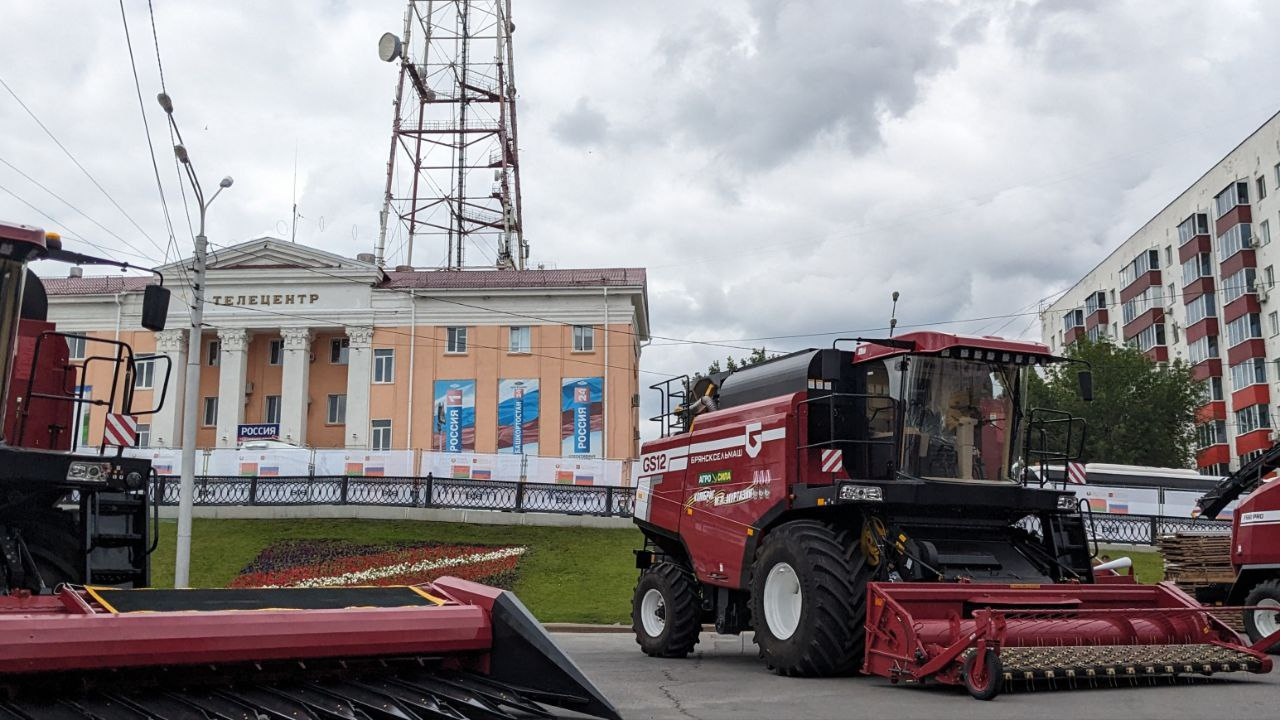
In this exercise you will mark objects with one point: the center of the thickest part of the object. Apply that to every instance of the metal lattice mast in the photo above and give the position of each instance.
(453, 173)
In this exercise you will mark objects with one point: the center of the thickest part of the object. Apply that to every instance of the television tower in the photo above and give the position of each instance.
(453, 172)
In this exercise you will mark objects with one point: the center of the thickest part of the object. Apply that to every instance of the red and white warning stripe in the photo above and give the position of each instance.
(832, 460)
(120, 430)
(1075, 473)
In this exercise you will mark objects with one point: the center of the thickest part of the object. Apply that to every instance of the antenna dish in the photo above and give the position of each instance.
(388, 47)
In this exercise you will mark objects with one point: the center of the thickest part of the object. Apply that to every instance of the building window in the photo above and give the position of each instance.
(1097, 333)
(1277, 174)
(144, 435)
(1264, 232)
(1168, 255)
(1201, 308)
(1262, 187)
(1238, 237)
(1211, 433)
(456, 340)
(380, 437)
(210, 416)
(1245, 327)
(1212, 389)
(1095, 302)
(1244, 281)
(1071, 320)
(1273, 322)
(145, 373)
(1250, 372)
(1269, 277)
(520, 341)
(338, 350)
(275, 352)
(1197, 224)
(384, 366)
(1152, 337)
(1172, 292)
(273, 409)
(215, 350)
(337, 410)
(584, 338)
(1115, 330)
(1254, 417)
(75, 347)
(1145, 262)
(1206, 348)
(1237, 193)
(1138, 305)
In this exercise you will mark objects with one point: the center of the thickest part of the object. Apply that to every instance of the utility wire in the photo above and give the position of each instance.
(70, 233)
(66, 202)
(82, 168)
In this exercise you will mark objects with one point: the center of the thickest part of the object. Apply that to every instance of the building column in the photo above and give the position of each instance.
(359, 375)
(295, 384)
(166, 424)
(233, 344)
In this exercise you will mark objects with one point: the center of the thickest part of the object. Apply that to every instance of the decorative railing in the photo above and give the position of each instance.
(423, 492)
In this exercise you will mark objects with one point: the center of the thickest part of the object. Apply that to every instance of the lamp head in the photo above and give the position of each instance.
(166, 103)
(181, 153)
(226, 182)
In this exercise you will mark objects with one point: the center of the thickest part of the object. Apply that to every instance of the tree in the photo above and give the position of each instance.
(758, 355)
(1141, 414)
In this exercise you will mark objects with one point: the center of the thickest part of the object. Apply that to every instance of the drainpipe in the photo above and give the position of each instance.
(119, 313)
(604, 395)
(413, 344)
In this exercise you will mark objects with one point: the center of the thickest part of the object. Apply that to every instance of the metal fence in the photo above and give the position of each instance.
(421, 492)
(1137, 529)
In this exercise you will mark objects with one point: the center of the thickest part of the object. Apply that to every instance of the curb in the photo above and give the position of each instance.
(599, 629)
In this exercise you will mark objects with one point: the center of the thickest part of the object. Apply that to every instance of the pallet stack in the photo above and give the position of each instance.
(1196, 561)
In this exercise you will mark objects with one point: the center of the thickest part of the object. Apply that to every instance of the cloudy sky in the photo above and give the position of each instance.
(779, 167)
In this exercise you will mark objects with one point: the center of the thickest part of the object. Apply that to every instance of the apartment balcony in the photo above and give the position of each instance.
(1202, 329)
(1212, 455)
(1253, 348)
(1259, 439)
(1234, 216)
(1143, 321)
(1206, 369)
(1251, 395)
(1196, 288)
(1151, 278)
(1239, 261)
(1195, 246)
(1215, 410)
(1159, 353)
(1241, 306)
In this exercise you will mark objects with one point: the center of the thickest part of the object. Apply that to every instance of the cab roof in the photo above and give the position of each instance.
(984, 347)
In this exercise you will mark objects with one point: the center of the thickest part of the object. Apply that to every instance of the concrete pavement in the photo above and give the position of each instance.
(725, 679)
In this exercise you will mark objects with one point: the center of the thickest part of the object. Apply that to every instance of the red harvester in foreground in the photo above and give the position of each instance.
(872, 509)
(73, 523)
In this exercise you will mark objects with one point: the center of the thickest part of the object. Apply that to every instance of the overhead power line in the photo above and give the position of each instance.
(77, 163)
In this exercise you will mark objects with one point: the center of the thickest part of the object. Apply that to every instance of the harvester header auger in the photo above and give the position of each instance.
(451, 649)
(877, 508)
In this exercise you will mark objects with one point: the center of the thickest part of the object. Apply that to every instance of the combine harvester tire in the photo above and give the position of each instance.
(1261, 623)
(665, 611)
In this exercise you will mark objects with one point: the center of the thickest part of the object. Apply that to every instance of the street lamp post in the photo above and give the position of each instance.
(191, 394)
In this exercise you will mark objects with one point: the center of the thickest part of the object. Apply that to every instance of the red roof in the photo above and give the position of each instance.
(498, 279)
(96, 284)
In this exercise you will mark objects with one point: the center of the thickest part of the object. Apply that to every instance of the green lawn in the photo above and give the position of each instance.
(568, 575)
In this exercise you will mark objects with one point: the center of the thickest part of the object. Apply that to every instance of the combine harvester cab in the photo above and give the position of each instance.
(71, 648)
(879, 509)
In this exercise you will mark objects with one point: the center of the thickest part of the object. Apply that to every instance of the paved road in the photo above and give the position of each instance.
(725, 679)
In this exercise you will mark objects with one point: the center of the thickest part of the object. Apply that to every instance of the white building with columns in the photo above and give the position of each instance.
(336, 352)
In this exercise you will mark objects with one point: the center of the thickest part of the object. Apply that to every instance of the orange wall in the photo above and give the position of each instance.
(487, 361)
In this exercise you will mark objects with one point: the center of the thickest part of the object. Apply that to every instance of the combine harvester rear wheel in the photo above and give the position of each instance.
(452, 649)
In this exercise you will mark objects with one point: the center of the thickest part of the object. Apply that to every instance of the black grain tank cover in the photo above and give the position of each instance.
(783, 375)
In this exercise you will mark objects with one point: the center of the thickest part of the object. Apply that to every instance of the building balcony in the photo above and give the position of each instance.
(1206, 369)
(1254, 348)
(1259, 439)
(1201, 329)
(1215, 410)
(1195, 246)
(1098, 317)
(1241, 306)
(1234, 216)
(1143, 321)
(1072, 335)
(1239, 261)
(1196, 288)
(1159, 353)
(1151, 278)
(1212, 455)
(1252, 395)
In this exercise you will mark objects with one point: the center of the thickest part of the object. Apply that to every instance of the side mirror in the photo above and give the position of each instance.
(1085, 378)
(155, 307)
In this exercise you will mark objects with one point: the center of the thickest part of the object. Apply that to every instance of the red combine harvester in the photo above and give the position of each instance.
(72, 647)
(871, 509)
(1255, 541)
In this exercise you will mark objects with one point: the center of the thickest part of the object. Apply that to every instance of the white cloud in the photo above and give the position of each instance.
(780, 167)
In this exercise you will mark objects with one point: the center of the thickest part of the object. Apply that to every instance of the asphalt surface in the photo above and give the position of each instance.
(725, 679)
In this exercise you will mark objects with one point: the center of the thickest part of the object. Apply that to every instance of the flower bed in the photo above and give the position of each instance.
(333, 563)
